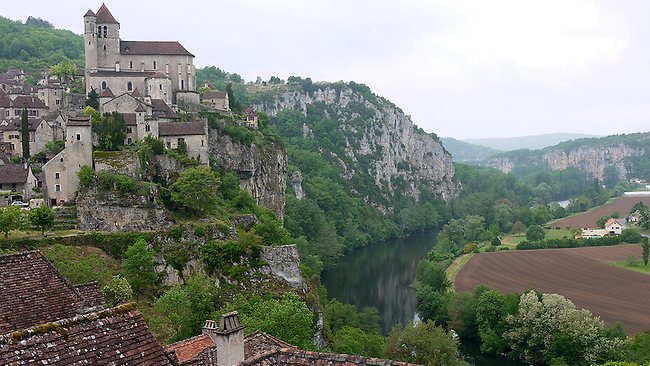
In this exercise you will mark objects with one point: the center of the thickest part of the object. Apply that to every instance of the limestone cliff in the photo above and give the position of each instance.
(592, 155)
(262, 170)
(367, 135)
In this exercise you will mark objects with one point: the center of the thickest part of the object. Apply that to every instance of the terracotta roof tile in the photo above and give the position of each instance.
(190, 348)
(180, 128)
(287, 356)
(28, 101)
(33, 292)
(161, 109)
(107, 93)
(78, 121)
(91, 293)
(129, 119)
(215, 95)
(102, 338)
(89, 13)
(153, 48)
(104, 16)
(136, 93)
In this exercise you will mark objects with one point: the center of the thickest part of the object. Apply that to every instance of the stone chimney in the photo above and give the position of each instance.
(228, 337)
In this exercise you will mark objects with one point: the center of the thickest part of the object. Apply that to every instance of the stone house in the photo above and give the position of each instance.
(41, 131)
(193, 134)
(217, 100)
(161, 69)
(250, 118)
(17, 183)
(61, 180)
(51, 93)
(14, 108)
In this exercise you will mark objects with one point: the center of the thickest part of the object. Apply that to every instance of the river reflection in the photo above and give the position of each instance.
(381, 276)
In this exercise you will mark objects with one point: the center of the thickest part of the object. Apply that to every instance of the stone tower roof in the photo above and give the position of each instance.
(89, 13)
(104, 16)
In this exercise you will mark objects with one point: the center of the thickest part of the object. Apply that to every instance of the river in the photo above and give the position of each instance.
(380, 275)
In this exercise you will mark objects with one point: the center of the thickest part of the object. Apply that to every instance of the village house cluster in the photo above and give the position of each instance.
(147, 82)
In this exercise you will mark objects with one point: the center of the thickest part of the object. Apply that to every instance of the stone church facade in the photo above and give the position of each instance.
(159, 69)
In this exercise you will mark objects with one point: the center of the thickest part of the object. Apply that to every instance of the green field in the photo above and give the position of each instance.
(633, 264)
(514, 239)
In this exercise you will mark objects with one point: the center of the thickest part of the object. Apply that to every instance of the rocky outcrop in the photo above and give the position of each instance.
(592, 160)
(262, 170)
(101, 210)
(296, 184)
(283, 262)
(381, 141)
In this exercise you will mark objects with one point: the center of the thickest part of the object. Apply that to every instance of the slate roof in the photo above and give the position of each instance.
(180, 128)
(91, 293)
(33, 291)
(153, 48)
(11, 173)
(78, 121)
(136, 93)
(104, 16)
(108, 337)
(161, 109)
(215, 95)
(129, 119)
(28, 101)
(5, 102)
(89, 13)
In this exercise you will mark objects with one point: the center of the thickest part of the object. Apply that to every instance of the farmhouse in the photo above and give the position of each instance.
(16, 183)
(613, 227)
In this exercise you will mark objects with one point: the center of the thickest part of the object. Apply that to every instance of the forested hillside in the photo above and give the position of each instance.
(36, 45)
(467, 152)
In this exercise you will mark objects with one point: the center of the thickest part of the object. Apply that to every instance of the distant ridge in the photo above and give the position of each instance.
(533, 142)
(467, 152)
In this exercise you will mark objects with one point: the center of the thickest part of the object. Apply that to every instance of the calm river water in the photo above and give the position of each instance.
(380, 275)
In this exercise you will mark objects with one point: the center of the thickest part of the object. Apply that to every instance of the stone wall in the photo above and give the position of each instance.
(122, 162)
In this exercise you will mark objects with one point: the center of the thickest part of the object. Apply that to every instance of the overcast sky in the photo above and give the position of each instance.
(463, 69)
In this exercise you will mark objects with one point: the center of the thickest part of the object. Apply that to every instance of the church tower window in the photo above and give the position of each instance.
(104, 47)
(99, 31)
(155, 65)
(103, 85)
(129, 86)
(105, 32)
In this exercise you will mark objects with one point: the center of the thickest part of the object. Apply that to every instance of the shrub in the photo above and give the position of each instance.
(86, 175)
(106, 179)
(469, 248)
(125, 184)
(117, 291)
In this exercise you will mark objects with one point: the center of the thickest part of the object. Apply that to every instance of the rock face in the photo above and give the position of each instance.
(114, 211)
(283, 262)
(262, 170)
(296, 184)
(380, 141)
(590, 159)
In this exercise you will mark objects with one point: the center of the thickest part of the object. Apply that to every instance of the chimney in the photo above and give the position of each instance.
(228, 337)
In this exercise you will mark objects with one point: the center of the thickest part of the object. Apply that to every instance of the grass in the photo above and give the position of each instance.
(633, 264)
(512, 240)
(82, 264)
(455, 267)
(36, 234)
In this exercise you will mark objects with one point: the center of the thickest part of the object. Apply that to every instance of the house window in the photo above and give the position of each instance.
(129, 86)
(182, 84)
(105, 33)
(147, 128)
(128, 141)
(57, 175)
(13, 187)
(104, 47)
(78, 137)
(58, 102)
(155, 65)
(160, 86)
(57, 187)
(169, 145)
(103, 85)
(129, 130)
(130, 64)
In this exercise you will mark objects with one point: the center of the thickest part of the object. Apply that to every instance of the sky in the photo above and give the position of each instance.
(459, 68)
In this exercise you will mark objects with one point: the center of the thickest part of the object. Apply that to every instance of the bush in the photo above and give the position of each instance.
(469, 248)
(125, 184)
(106, 179)
(86, 175)
(117, 291)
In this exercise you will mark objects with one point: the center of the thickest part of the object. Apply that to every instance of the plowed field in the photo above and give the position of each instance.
(622, 205)
(580, 274)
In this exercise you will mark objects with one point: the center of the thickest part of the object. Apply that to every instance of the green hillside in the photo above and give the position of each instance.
(36, 45)
(466, 152)
(526, 142)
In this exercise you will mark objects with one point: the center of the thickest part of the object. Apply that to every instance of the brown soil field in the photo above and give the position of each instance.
(580, 274)
(588, 219)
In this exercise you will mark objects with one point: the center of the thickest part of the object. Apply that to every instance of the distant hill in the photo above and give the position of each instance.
(526, 142)
(36, 45)
(466, 152)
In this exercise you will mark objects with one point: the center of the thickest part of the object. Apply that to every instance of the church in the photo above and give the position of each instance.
(158, 69)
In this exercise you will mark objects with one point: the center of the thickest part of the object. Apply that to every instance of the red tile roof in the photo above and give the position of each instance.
(91, 293)
(107, 93)
(33, 292)
(190, 348)
(104, 16)
(161, 109)
(180, 128)
(14, 124)
(215, 95)
(89, 13)
(611, 221)
(108, 337)
(129, 119)
(287, 356)
(78, 121)
(28, 101)
(153, 48)
(136, 93)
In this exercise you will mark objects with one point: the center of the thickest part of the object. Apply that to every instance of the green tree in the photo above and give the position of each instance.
(93, 99)
(424, 344)
(535, 233)
(646, 250)
(54, 147)
(86, 175)
(139, 268)
(110, 130)
(232, 102)
(196, 190)
(42, 217)
(64, 71)
(24, 134)
(11, 218)
(354, 341)
(117, 291)
(602, 221)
